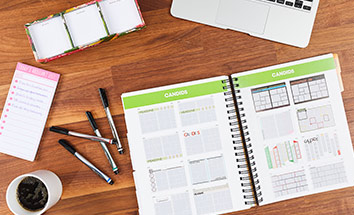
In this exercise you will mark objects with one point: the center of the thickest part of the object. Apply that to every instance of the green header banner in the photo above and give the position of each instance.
(175, 94)
(285, 73)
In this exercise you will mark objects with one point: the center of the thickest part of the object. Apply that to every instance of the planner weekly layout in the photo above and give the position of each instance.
(180, 142)
(224, 144)
(296, 123)
(26, 110)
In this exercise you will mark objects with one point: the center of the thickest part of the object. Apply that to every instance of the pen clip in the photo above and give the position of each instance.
(91, 120)
(103, 97)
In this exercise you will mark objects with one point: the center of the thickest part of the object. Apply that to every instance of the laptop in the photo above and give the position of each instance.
(285, 21)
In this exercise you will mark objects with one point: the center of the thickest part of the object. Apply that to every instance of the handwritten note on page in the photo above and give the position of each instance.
(26, 110)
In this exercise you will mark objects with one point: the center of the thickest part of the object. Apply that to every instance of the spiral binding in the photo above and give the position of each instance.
(242, 145)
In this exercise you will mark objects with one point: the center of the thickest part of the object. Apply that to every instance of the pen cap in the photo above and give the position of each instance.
(59, 130)
(91, 120)
(103, 97)
(67, 146)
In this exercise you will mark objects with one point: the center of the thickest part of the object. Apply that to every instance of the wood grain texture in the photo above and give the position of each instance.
(168, 51)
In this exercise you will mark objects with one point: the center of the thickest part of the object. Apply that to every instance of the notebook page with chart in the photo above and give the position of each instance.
(298, 128)
(181, 146)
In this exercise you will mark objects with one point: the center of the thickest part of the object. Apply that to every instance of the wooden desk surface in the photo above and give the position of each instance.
(168, 51)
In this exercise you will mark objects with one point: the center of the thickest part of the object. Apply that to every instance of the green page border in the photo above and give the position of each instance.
(163, 95)
(290, 72)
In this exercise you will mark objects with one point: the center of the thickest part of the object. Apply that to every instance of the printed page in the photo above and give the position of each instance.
(298, 128)
(85, 25)
(181, 149)
(26, 110)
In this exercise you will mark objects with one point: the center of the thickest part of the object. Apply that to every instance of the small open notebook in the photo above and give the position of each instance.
(83, 26)
(225, 144)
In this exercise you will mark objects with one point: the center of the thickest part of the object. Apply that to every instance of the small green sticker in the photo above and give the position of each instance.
(269, 159)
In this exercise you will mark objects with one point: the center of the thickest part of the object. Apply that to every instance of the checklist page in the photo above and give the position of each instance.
(26, 110)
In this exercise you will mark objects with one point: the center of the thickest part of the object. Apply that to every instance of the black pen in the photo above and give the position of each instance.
(71, 149)
(104, 147)
(85, 136)
(110, 119)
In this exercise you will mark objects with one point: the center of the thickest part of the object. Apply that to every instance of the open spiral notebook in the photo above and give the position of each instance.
(225, 144)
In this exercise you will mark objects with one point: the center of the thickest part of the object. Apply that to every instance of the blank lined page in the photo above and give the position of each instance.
(26, 110)
(120, 15)
(50, 37)
(85, 25)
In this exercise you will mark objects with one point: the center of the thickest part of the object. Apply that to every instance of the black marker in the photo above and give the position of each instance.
(85, 136)
(104, 147)
(110, 119)
(71, 149)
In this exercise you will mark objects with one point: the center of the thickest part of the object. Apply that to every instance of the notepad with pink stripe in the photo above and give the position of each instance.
(26, 111)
